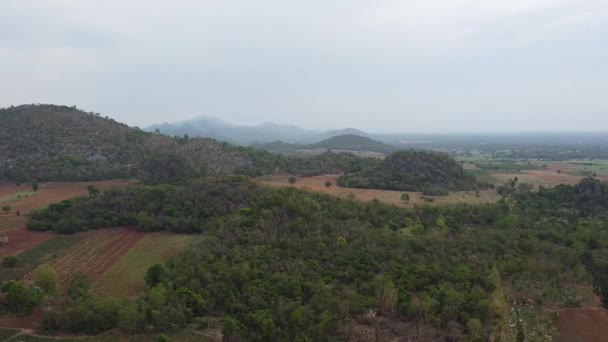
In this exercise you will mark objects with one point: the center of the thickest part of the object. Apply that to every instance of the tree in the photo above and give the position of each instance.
(35, 185)
(10, 261)
(21, 299)
(156, 275)
(292, 180)
(230, 329)
(79, 287)
(6, 208)
(405, 198)
(162, 338)
(328, 184)
(46, 279)
(386, 293)
(92, 190)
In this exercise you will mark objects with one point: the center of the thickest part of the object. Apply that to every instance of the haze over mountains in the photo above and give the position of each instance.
(211, 127)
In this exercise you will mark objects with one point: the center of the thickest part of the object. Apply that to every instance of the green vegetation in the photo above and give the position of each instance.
(5, 334)
(74, 145)
(344, 142)
(36, 256)
(125, 279)
(353, 142)
(289, 264)
(432, 173)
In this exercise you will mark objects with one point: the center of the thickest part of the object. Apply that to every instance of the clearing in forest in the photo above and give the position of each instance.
(24, 200)
(317, 184)
(586, 323)
(94, 254)
(126, 278)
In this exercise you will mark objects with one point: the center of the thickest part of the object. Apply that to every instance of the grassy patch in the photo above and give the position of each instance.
(34, 257)
(16, 196)
(126, 277)
(12, 222)
(5, 334)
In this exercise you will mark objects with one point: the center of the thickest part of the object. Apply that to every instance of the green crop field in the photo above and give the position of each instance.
(126, 277)
(37, 255)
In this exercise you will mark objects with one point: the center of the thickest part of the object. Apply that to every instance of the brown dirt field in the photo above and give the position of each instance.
(29, 322)
(588, 323)
(58, 191)
(95, 254)
(12, 222)
(21, 239)
(7, 189)
(317, 184)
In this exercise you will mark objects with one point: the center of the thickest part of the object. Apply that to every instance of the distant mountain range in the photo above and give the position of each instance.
(210, 127)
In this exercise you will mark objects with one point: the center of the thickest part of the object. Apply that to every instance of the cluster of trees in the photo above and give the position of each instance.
(430, 172)
(286, 264)
(22, 299)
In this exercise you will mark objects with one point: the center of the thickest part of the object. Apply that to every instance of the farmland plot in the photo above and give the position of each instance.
(94, 254)
(126, 278)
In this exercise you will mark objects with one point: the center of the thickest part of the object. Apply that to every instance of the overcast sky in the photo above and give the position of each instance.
(377, 65)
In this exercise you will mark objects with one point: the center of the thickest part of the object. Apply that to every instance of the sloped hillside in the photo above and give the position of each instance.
(429, 172)
(354, 142)
(58, 143)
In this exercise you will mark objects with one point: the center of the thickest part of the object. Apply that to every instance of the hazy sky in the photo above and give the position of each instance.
(377, 65)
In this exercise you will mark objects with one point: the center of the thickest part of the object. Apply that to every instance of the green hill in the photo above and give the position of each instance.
(429, 172)
(60, 143)
(343, 143)
(352, 142)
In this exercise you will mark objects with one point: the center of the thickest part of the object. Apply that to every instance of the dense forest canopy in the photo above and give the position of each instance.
(413, 171)
(286, 264)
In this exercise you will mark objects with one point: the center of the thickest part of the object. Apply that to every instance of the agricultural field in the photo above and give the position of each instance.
(94, 254)
(23, 199)
(40, 252)
(534, 172)
(12, 222)
(125, 278)
(317, 183)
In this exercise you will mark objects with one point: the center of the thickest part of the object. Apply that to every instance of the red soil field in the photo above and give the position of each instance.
(95, 254)
(56, 192)
(7, 189)
(21, 239)
(587, 323)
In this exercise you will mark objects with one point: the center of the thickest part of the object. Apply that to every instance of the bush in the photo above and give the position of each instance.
(10, 261)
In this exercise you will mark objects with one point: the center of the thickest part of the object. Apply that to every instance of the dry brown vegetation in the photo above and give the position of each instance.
(317, 183)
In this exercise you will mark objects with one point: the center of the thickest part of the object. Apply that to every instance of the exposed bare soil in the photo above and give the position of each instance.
(588, 323)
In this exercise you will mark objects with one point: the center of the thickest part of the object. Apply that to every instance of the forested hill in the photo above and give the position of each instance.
(355, 143)
(429, 172)
(60, 143)
(338, 143)
(50, 142)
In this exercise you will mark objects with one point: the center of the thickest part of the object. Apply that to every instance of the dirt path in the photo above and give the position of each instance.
(588, 323)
